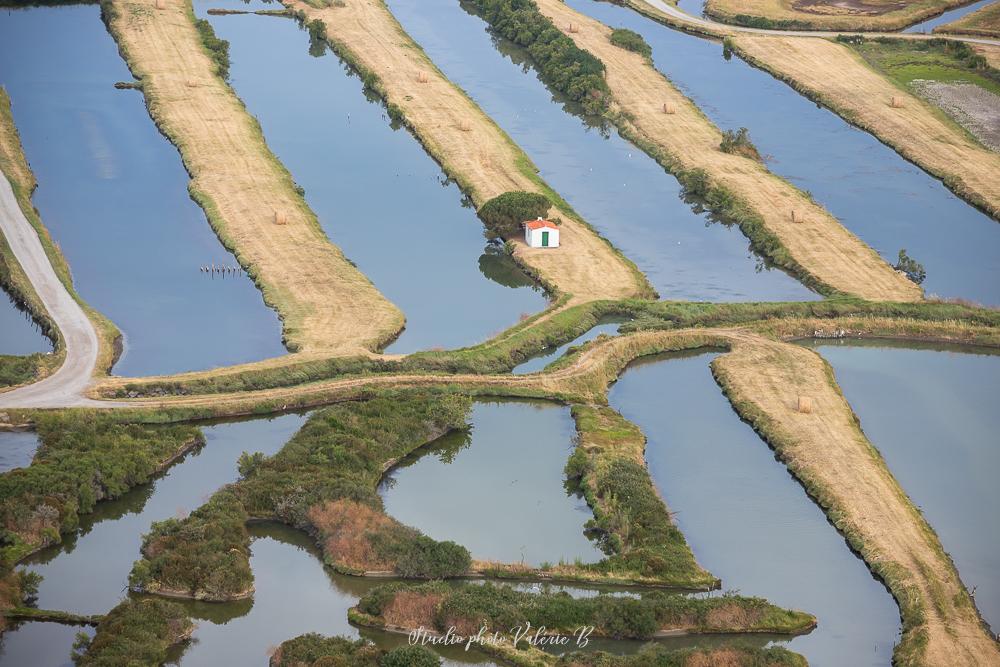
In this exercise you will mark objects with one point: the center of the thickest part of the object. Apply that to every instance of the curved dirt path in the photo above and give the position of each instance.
(65, 387)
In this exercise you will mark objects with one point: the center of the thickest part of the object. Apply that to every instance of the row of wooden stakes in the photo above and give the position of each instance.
(221, 269)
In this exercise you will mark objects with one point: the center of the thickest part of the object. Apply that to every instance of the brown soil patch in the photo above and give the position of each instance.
(410, 609)
(324, 302)
(974, 108)
(470, 146)
(820, 243)
(841, 80)
(343, 527)
(733, 617)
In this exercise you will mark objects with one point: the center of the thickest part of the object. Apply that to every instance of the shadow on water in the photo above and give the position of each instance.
(615, 187)
(886, 201)
(746, 519)
(377, 193)
(931, 412)
(19, 333)
(513, 459)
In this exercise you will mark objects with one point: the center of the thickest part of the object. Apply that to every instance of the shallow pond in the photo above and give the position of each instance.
(498, 490)
(17, 449)
(948, 17)
(932, 413)
(113, 193)
(888, 202)
(746, 519)
(536, 364)
(377, 193)
(294, 594)
(618, 189)
(18, 332)
(88, 572)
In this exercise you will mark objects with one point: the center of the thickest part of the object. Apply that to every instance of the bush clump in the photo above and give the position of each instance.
(631, 41)
(315, 650)
(504, 214)
(218, 48)
(566, 67)
(913, 269)
(737, 142)
(136, 632)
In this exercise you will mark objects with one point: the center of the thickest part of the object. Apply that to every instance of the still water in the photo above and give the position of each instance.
(18, 332)
(888, 202)
(17, 449)
(932, 414)
(541, 361)
(498, 490)
(617, 188)
(113, 193)
(747, 521)
(377, 193)
(948, 17)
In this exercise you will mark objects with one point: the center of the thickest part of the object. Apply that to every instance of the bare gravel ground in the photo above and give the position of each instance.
(971, 106)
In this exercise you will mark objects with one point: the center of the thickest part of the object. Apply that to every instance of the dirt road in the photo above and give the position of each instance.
(64, 387)
(814, 238)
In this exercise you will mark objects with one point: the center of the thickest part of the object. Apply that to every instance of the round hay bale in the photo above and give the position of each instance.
(422, 77)
(668, 109)
(280, 218)
(161, 4)
(805, 405)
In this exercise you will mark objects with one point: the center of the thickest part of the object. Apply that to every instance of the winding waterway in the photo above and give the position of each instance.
(948, 17)
(617, 188)
(497, 490)
(931, 412)
(886, 201)
(377, 193)
(88, 572)
(539, 362)
(746, 519)
(113, 193)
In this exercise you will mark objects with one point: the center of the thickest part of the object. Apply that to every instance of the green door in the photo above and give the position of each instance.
(545, 239)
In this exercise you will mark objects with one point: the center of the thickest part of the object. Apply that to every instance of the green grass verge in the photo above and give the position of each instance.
(314, 650)
(608, 467)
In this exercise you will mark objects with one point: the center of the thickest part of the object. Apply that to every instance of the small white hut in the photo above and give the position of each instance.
(541, 234)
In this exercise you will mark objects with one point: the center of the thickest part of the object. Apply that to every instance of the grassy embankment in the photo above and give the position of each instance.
(466, 609)
(783, 223)
(838, 77)
(887, 15)
(322, 482)
(314, 650)
(136, 632)
(906, 61)
(984, 22)
(259, 213)
(84, 458)
(537, 334)
(471, 149)
(340, 456)
(16, 370)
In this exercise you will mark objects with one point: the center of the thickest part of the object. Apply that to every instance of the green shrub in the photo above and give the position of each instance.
(504, 214)
(913, 269)
(631, 41)
(562, 64)
(738, 142)
(410, 656)
(314, 650)
(136, 632)
(218, 49)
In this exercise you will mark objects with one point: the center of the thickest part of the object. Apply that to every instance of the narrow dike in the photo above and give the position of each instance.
(113, 195)
(685, 252)
(390, 207)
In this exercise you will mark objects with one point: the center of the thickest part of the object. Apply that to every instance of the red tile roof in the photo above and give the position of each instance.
(538, 224)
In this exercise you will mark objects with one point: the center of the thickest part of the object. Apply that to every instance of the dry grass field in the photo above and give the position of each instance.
(864, 15)
(817, 240)
(325, 303)
(471, 148)
(839, 78)
(984, 22)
